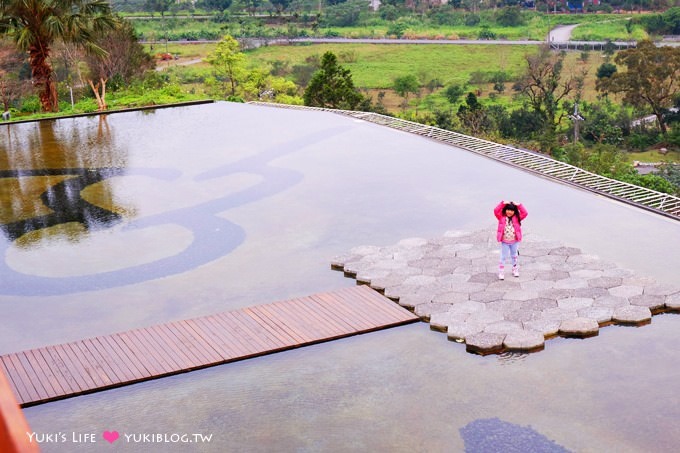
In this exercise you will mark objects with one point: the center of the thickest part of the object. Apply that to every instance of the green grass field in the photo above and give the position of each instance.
(377, 65)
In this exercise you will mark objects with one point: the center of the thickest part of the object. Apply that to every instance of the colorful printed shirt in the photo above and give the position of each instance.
(509, 232)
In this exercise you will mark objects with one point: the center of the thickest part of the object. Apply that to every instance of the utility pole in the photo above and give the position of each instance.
(576, 118)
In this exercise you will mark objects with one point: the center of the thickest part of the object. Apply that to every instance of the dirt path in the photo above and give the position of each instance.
(561, 33)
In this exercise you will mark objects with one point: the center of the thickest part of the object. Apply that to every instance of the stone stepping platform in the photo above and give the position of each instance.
(64, 370)
(452, 283)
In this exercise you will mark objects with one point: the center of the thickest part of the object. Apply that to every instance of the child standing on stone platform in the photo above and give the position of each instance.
(509, 234)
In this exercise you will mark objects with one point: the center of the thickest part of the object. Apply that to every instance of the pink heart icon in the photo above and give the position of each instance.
(110, 436)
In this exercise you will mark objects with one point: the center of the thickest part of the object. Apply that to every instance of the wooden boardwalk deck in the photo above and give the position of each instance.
(64, 370)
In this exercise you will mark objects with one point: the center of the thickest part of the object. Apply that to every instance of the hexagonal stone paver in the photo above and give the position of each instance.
(450, 298)
(591, 293)
(574, 303)
(520, 295)
(631, 314)
(420, 280)
(602, 315)
(637, 280)
(626, 291)
(571, 283)
(522, 315)
(467, 306)
(559, 314)
(661, 290)
(673, 301)
(552, 275)
(618, 272)
(441, 321)
(484, 343)
(503, 306)
(654, 303)
(488, 296)
(484, 277)
(587, 273)
(524, 340)
(537, 285)
(485, 316)
(368, 275)
(538, 304)
(610, 301)
(554, 293)
(548, 327)
(534, 252)
(472, 253)
(503, 327)
(468, 287)
(565, 251)
(451, 281)
(426, 310)
(424, 263)
(411, 300)
(583, 259)
(605, 282)
(579, 327)
(457, 331)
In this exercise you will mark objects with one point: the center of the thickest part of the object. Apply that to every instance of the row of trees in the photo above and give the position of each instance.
(649, 82)
(84, 31)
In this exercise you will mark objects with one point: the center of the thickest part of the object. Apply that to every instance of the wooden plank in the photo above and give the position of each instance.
(337, 307)
(270, 326)
(254, 329)
(104, 362)
(20, 392)
(56, 364)
(91, 363)
(212, 334)
(141, 353)
(180, 331)
(170, 359)
(117, 342)
(315, 325)
(172, 346)
(60, 381)
(235, 335)
(49, 380)
(338, 328)
(36, 380)
(147, 348)
(19, 375)
(287, 322)
(392, 310)
(332, 307)
(123, 369)
(74, 368)
(208, 351)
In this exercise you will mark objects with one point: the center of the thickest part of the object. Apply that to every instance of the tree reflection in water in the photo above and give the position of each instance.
(43, 172)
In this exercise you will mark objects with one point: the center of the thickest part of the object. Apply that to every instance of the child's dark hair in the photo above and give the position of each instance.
(513, 207)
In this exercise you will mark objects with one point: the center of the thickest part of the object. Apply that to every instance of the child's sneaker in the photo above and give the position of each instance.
(501, 275)
(515, 271)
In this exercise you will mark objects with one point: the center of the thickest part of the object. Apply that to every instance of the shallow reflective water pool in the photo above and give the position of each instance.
(133, 219)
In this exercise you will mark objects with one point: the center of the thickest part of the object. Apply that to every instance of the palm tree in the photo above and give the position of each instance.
(35, 25)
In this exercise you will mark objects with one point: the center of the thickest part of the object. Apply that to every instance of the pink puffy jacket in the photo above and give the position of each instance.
(500, 215)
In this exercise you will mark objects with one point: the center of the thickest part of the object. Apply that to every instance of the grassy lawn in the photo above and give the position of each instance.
(613, 28)
(375, 66)
(653, 156)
